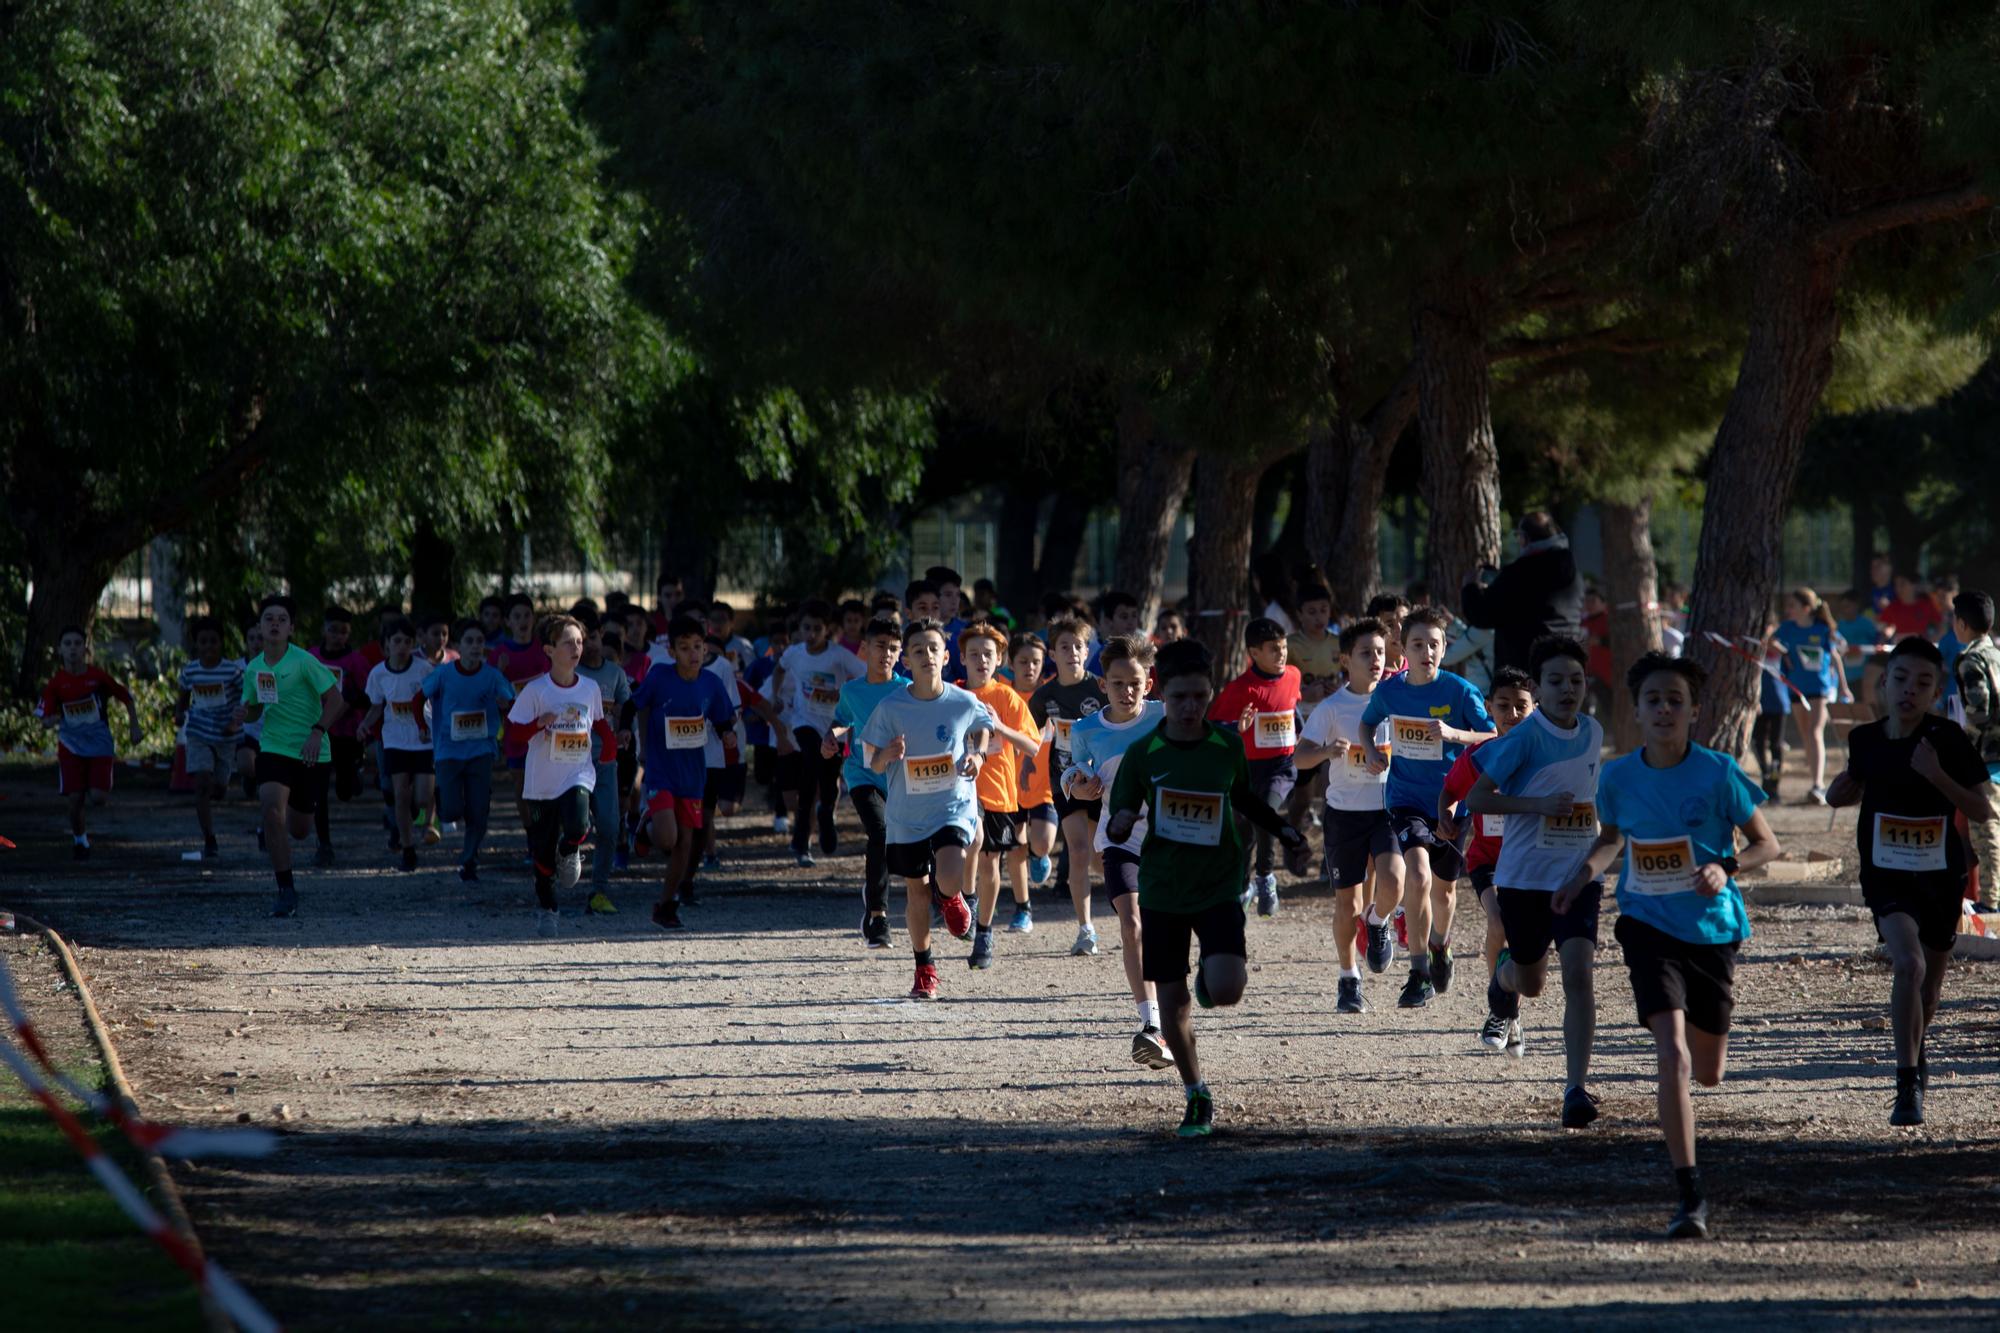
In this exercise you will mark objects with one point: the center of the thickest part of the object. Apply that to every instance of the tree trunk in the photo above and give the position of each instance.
(1225, 505)
(68, 581)
(1632, 586)
(1794, 324)
(1063, 544)
(1461, 465)
(1152, 486)
(1014, 554)
(1345, 469)
(169, 591)
(1264, 513)
(433, 571)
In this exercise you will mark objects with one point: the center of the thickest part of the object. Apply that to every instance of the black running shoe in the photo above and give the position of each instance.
(287, 903)
(1441, 966)
(1381, 948)
(210, 851)
(469, 873)
(1417, 992)
(409, 859)
(1349, 1000)
(324, 856)
(1909, 1105)
(1690, 1223)
(686, 895)
(1579, 1108)
(875, 930)
(666, 915)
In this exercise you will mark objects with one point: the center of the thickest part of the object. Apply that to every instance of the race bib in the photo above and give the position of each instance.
(81, 712)
(1812, 657)
(996, 744)
(206, 696)
(1188, 816)
(686, 733)
(929, 775)
(1277, 731)
(404, 710)
(469, 726)
(569, 743)
(1493, 826)
(1063, 725)
(821, 693)
(339, 677)
(1574, 831)
(1413, 738)
(1660, 865)
(1909, 844)
(267, 687)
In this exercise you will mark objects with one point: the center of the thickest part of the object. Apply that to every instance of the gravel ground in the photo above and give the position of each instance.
(747, 1125)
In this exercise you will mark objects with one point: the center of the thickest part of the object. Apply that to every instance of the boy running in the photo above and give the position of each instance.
(295, 697)
(1433, 715)
(881, 646)
(336, 651)
(397, 705)
(1012, 735)
(676, 705)
(1262, 704)
(558, 720)
(601, 665)
(807, 684)
(1190, 779)
(1026, 655)
(1097, 745)
(1356, 829)
(210, 685)
(930, 738)
(467, 698)
(74, 703)
(1058, 706)
(1540, 776)
(1677, 806)
(1911, 773)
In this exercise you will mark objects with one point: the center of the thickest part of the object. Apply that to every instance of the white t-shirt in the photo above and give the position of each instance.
(1349, 784)
(565, 755)
(401, 694)
(813, 681)
(712, 747)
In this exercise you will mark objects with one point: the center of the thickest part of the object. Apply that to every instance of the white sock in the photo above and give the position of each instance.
(1149, 1013)
(1375, 918)
(1347, 972)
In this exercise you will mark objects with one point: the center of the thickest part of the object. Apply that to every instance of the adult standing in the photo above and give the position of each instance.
(1539, 594)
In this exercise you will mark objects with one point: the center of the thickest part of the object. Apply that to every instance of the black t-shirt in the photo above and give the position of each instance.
(1921, 852)
(1060, 703)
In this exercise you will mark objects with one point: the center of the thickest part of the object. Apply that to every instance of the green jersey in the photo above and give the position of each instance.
(1192, 858)
(290, 691)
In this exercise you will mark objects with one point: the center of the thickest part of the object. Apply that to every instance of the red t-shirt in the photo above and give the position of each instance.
(350, 671)
(1597, 635)
(1484, 849)
(1276, 732)
(86, 729)
(1902, 619)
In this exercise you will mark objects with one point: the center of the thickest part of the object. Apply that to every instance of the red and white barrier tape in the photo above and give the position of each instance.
(1724, 641)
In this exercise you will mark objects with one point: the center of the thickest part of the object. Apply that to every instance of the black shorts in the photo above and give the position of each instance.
(628, 768)
(1937, 915)
(1354, 838)
(1121, 873)
(1166, 936)
(1532, 923)
(1044, 813)
(1000, 830)
(916, 860)
(406, 761)
(1065, 807)
(1273, 779)
(1418, 828)
(1482, 880)
(1671, 973)
(306, 783)
(724, 785)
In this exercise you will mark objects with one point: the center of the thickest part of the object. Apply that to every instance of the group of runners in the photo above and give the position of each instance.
(977, 755)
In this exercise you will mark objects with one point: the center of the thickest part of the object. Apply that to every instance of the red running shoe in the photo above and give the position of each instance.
(926, 984)
(1402, 932)
(957, 916)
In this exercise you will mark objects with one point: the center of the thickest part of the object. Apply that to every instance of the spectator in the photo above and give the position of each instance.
(1909, 613)
(1539, 594)
(1597, 642)
(1881, 581)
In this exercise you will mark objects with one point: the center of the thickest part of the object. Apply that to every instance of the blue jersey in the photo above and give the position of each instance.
(857, 704)
(1096, 744)
(679, 714)
(1538, 758)
(1812, 658)
(1418, 764)
(926, 791)
(466, 708)
(1674, 820)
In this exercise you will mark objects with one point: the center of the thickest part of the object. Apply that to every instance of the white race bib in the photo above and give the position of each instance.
(929, 775)
(996, 744)
(1660, 865)
(267, 687)
(1812, 657)
(1414, 739)
(81, 712)
(1188, 816)
(1493, 826)
(1277, 731)
(1904, 843)
(569, 743)
(1571, 832)
(469, 726)
(686, 733)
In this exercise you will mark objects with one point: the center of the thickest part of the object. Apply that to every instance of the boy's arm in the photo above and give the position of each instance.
(369, 721)
(1254, 808)
(1974, 802)
(1593, 867)
(1485, 798)
(1845, 789)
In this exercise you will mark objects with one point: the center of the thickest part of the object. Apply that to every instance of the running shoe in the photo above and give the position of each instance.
(686, 894)
(468, 872)
(1909, 1109)
(1493, 1033)
(1249, 893)
(1199, 1119)
(1150, 1051)
(1381, 949)
(324, 856)
(804, 859)
(1690, 1223)
(1201, 995)
(1817, 796)
(1349, 999)
(925, 987)
(395, 839)
(409, 859)
(1039, 870)
(600, 904)
(1086, 942)
(1579, 1107)
(981, 956)
(569, 868)
(620, 858)
(667, 914)
(432, 835)
(1517, 1038)
(957, 916)
(780, 824)
(546, 922)
(1417, 992)
(1402, 931)
(287, 903)
(829, 841)
(1023, 922)
(210, 851)
(875, 930)
(1441, 965)
(1267, 895)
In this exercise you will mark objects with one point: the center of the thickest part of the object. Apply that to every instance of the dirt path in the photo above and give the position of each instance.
(746, 1125)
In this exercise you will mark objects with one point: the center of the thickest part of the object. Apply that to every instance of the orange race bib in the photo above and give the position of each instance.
(1188, 816)
(1063, 725)
(404, 710)
(205, 696)
(1659, 865)
(929, 775)
(81, 712)
(1277, 731)
(569, 743)
(1906, 843)
(267, 687)
(1573, 831)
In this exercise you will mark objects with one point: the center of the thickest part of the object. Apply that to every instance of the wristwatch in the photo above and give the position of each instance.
(320, 727)
(1728, 864)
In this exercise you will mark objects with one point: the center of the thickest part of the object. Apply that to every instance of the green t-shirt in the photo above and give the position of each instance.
(1192, 858)
(290, 692)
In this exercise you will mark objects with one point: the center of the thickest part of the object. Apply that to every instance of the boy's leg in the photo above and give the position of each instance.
(1496, 933)
(870, 809)
(1346, 907)
(1676, 1102)
(403, 785)
(604, 812)
(1417, 909)
(986, 877)
(829, 801)
(1910, 974)
(954, 867)
(1579, 1007)
(917, 915)
(477, 783)
(677, 841)
(1041, 837)
(1076, 831)
(1936, 963)
(274, 802)
(804, 766)
(1131, 938)
(1177, 1028)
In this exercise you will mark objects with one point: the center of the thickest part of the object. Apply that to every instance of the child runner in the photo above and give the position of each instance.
(1677, 806)
(1541, 776)
(1813, 649)
(1433, 715)
(1774, 705)
(468, 699)
(558, 718)
(1262, 704)
(1097, 744)
(881, 646)
(1012, 735)
(763, 750)
(1511, 699)
(930, 738)
(1314, 648)
(210, 685)
(295, 698)
(807, 682)
(1170, 627)
(1026, 655)
(1912, 772)
(602, 664)
(676, 706)
(74, 703)
(1190, 779)
(397, 704)
(1059, 705)
(1977, 671)
(1356, 828)
(350, 668)
(520, 659)
(853, 620)
(493, 619)
(726, 774)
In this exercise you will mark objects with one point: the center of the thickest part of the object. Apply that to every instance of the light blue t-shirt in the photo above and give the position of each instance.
(1415, 779)
(926, 791)
(1537, 758)
(857, 704)
(1860, 633)
(455, 696)
(1812, 658)
(1096, 744)
(1675, 819)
